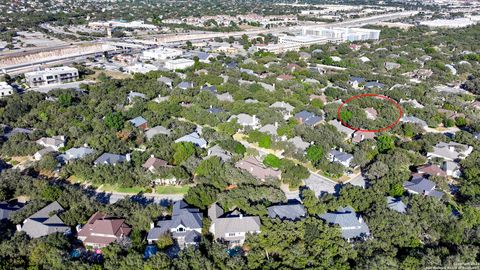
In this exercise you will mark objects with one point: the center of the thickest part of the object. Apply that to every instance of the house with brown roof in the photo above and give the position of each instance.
(431, 170)
(101, 230)
(257, 169)
(359, 136)
(152, 164)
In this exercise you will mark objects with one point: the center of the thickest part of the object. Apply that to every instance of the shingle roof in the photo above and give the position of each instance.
(43, 222)
(76, 153)
(396, 204)
(7, 208)
(138, 121)
(194, 138)
(345, 130)
(110, 159)
(351, 224)
(257, 169)
(422, 186)
(287, 212)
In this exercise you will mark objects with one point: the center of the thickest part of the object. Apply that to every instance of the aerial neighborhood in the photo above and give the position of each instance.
(244, 135)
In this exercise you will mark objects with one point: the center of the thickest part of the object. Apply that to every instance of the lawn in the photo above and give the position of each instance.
(171, 189)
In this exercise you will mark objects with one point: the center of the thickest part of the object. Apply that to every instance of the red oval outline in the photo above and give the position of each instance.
(370, 95)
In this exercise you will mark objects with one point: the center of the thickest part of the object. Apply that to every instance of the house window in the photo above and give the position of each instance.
(231, 234)
(181, 229)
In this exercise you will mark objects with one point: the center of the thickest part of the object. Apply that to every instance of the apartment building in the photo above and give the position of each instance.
(49, 76)
(342, 34)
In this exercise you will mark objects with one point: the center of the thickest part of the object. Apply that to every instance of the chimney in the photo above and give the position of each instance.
(128, 157)
(152, 225)
(152, 156)
(78, 228)
(19, 227)
(241, 216)
(276, 124)
(254, 118)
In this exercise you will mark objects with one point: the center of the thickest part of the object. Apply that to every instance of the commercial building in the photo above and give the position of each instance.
(162, 53)
(303, 40)
(181, 63)
(50, 76)
(341, 34)
(5, 89)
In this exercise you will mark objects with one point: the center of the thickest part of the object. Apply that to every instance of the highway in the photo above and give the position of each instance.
(351, 23)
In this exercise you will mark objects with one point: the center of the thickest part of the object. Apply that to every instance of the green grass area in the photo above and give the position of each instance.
(171, 189)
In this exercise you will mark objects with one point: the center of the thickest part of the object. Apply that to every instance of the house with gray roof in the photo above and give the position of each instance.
(185, 226)
(451, 169)
(7, 208)
(185, 85)
(55, 142)
(308, 118)
(268, 87)
(44, 222)
(232, 228)
(165, 80)
(285, 108)
(156, 131)
(194, 138)
(139, 122)
(355, 82)
(76, 153)
(396, 204)
(450, 151)
(351, 224)
(340, 157)
(290, 212)
(226, 97)
(246, 120)
(270, 129)
(422, 186)
(111, 159)
(135, 95)
(299, 143)
(414, 120)
(341, 128)
(43, 152)
(218, 151)
(9, 132)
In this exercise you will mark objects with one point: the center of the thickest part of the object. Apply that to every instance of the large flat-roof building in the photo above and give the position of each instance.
(181, 63)
(50, 76)
(162, 53)
(341, 34)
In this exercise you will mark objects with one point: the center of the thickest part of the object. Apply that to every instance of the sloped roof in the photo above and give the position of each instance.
(194, 138)
(287, 212)
(7, 208)
(155, 163)
(101, 229)
(396, 204)
(43, 222)
(257, 169)
(110, 159)
(351, 224)
(138, 121)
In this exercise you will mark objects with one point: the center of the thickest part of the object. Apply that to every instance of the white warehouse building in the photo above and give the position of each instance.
(181, 63)
(162, 53)
(337, 34)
